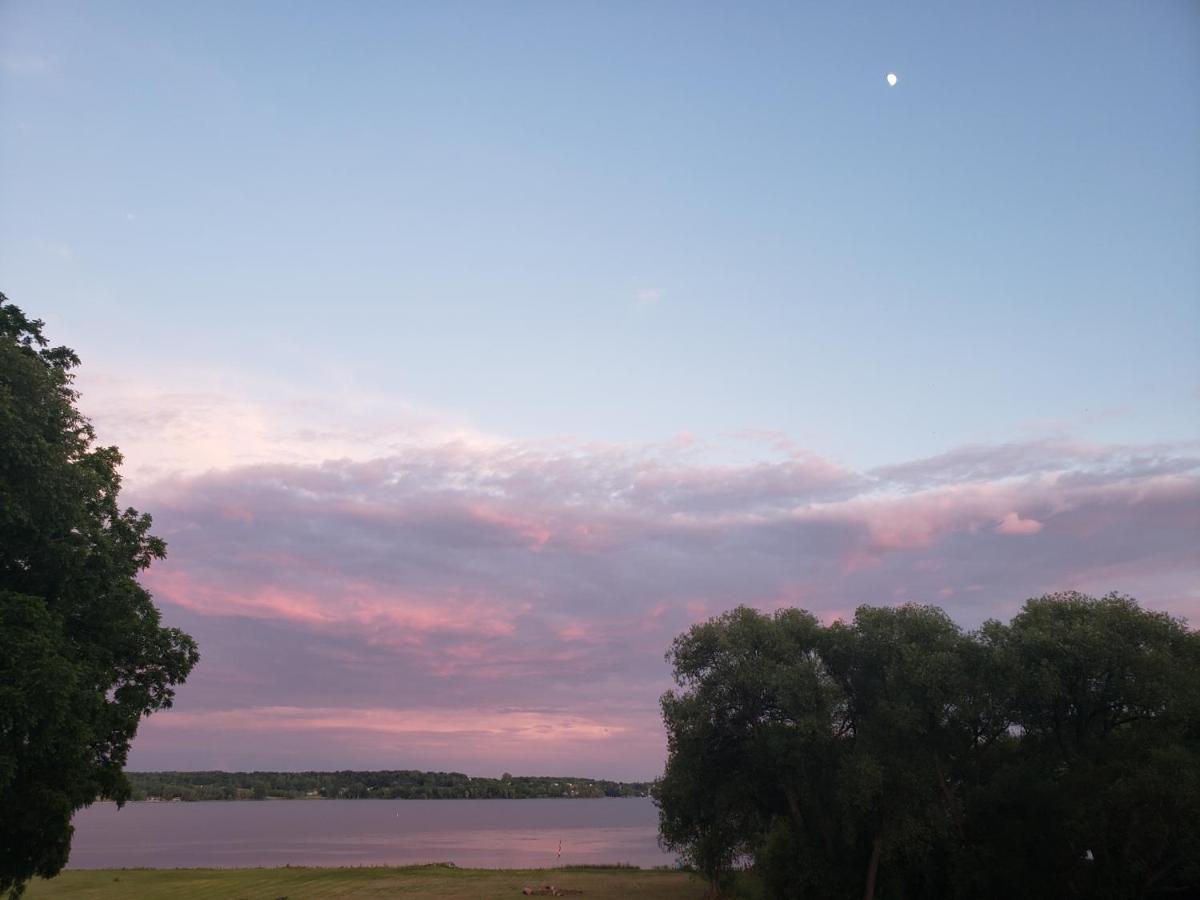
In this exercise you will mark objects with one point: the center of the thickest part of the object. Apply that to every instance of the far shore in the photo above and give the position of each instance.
(385, 784)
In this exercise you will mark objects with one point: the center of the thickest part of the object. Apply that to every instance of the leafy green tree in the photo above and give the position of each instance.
(754, 713)
(903, 674)
(1101, 794)
(82, 653)
(896, 756)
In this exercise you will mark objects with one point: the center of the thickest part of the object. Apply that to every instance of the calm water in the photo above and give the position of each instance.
(488, 833)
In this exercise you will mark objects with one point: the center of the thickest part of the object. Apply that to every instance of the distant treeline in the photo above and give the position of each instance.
(390, 785)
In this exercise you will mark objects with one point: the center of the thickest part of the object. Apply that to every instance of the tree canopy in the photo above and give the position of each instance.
(83, 655)
(898, 756)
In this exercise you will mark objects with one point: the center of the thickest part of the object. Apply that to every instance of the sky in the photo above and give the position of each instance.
(467, 353)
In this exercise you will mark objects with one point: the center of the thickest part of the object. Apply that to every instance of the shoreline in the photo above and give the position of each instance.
(441, 880)
(370, 799)
(383, 867)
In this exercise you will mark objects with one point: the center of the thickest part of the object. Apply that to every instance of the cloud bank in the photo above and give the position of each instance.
(485, 606)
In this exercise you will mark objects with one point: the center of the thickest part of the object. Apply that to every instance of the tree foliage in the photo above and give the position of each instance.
(898, 756)
(83, 655)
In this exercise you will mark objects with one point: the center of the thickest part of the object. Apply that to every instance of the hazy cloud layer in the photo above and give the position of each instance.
(506, 606)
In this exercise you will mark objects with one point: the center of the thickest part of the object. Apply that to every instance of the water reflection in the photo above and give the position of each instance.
(486, 833)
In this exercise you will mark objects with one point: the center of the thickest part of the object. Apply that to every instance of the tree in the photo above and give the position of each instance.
(896, 756)
(903, 675)
(83, 655)
(749, 733)
(1101, 795)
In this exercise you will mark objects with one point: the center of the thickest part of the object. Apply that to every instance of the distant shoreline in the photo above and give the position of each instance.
(386, 784)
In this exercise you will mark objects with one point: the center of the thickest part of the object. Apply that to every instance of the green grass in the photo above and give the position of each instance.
(294, 883)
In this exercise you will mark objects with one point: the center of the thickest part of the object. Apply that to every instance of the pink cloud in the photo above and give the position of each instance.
(183, 590)
(237, 513)
(1014, 524)
(829, 616)
(535, 533)
(395, 601)
(388, 615)
(574, 631)
(493, 724)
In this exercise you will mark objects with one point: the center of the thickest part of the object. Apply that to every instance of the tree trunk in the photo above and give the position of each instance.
(952, 809)
(793, 802)
(873, 868)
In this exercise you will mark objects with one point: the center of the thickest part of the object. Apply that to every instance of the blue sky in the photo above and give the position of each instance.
(462, 203)
(465, 353)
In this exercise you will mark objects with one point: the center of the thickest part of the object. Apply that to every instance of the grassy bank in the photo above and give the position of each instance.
(367, 881)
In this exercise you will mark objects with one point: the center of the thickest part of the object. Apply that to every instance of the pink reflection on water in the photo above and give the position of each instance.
(469, 833)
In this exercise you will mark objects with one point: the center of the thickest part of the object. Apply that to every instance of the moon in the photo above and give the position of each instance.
(892, 79)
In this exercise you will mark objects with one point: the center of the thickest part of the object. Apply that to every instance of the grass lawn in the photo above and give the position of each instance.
(295, 883)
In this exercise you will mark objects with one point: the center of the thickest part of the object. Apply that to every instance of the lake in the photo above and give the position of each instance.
(507, 834)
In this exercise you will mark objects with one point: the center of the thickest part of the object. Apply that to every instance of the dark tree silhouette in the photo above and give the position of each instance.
(897, 756)
(83, 655)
